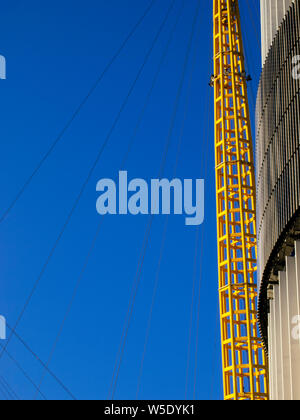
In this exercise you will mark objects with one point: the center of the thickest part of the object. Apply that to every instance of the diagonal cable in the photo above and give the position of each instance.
(148, 229)
(253, 25)
(5, 394)
(206, 136)
(100, 224)
(22, 341)
(75, 114)
(88, 178)
(9, 389)
(164, 236)
(94, 240)
(4, 350)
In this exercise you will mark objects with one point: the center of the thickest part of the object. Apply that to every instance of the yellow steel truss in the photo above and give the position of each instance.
(245, 373)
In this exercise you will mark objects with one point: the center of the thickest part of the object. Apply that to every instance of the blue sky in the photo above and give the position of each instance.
(55, 51)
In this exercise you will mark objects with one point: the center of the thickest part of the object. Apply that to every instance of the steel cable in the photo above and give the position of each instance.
(10, 389)
(164, 236)
(90, 173)
(4, 350)
(201, 256)
(22, 341)
(206, 142)
(148, 229)
(93, 244)
(3, 391)
(75, 114)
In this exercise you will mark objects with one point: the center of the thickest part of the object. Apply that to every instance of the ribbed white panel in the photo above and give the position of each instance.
(270, 357)
(284, 320)
(285, 339)
(272, 14)
(278, 344)
(293, 312)
(274, 351)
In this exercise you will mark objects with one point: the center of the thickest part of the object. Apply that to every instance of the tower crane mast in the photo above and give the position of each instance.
(244, 362)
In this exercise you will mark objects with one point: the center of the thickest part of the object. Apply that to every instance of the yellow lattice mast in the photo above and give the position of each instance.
(245, 374)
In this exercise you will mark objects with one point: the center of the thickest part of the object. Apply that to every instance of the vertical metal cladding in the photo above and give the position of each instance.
(277, 147)
(272, 14)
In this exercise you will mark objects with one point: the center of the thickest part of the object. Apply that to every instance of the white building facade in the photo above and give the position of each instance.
(278, 194)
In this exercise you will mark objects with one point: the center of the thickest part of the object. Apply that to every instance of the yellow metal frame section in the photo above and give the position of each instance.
(245, 372)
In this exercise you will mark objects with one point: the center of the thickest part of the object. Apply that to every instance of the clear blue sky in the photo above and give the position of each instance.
(55, 51)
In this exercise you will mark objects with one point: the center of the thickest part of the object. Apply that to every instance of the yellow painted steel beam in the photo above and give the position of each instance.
(245, 372)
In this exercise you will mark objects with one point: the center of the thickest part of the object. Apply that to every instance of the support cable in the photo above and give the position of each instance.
(247, 53)
(4, 393)
(192, 311)
(256, 10)
(94, 240)
(10, 389)
(245, 370)
(247, 50)
(89, 176)
(201, 254)
(4, 350)
(148, 229)
(76, 113)
(164, 236)
(213, 374)
(248, 60)
(253, 24)
(206, 137)
(162, 248)
(21, 340)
